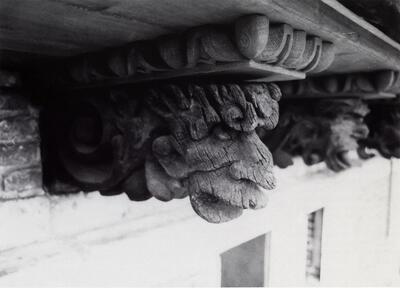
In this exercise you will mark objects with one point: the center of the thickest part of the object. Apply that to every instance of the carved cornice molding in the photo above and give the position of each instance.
(319, 130)
(384, 125)
(250, 37)
(169, 141)
(355, 84)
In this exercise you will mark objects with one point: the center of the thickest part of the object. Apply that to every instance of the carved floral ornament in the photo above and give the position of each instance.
(326, 130)
(205, 141)
(170, 141)
(318, 131)
(250, 37)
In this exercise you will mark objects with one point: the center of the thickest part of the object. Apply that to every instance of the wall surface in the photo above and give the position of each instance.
(95, 240)
(20, 168)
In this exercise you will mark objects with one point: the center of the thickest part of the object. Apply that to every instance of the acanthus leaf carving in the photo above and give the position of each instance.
(384, 126)
(213, 148)
(318, 131)
(170, 141)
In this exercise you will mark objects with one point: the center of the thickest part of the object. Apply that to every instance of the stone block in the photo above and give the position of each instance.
(15, 130)
(12, 103)
(25, 179)
(19, 154)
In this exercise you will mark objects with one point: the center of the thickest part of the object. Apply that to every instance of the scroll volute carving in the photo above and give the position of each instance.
(213, 153)
(252, 35)
(384, 125)
(101, 141)
(324, 130)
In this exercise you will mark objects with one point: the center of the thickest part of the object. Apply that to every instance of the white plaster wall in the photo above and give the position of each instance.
(95, 240)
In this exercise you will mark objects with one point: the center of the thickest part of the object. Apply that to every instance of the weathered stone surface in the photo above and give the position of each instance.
(20, 159)
(19, 154)
(23, 179)
(324, 130)
(162, 186)
(213, 147)
(14, 130)
(252, 34)
(13, 104)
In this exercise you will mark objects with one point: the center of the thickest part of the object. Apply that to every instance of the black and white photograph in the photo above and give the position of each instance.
(199, 143)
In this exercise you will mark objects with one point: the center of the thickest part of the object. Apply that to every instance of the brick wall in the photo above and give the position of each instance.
(20, 165)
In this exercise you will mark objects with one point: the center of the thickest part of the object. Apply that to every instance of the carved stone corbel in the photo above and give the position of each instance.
(384, 125)
(213, 147)
(320, 130)
(170, 141)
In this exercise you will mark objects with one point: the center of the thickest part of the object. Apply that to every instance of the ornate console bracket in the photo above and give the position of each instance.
(307, 126)
(251, 47)
(384, 125)
(168, 141)
(318, 131)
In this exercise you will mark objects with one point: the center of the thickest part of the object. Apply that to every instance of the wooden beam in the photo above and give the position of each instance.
(70, 27)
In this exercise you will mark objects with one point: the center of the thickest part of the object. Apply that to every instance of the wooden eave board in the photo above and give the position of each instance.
(242, 70)
(70, 27)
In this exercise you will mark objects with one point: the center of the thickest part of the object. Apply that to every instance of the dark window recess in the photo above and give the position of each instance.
(314, 239)
(246, 265)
